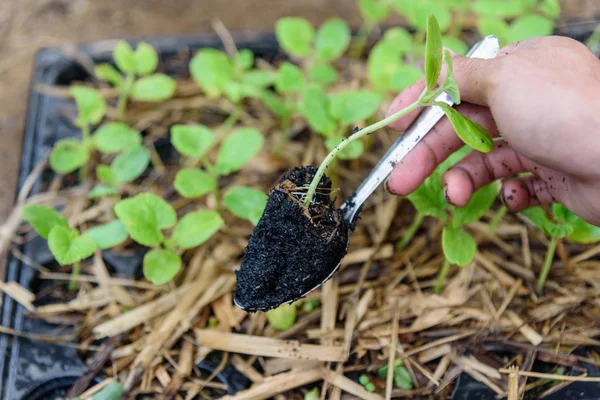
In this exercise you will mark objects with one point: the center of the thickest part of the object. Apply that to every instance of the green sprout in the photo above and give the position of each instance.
(313, 394)
(310, 305)
(366, 382)
(402, 377)
(113, 391)
(135, 77)
(283, 317)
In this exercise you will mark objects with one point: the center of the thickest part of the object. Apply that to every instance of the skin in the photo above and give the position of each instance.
(541, 96)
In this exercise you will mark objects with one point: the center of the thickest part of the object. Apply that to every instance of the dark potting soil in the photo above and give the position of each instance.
(290, 253)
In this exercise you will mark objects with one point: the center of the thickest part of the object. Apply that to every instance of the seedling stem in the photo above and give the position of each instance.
(547, 263)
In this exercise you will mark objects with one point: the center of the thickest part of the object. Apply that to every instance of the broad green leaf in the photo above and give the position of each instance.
(529, 26)
(499, 8)
(130, 165)
(105, 174)
(417, 12)
(315, 107)
(146, 59)
(584, 232)
(323, 73)
(450, 85)
(433, 52)
(563, 215)
(68, 155)
(107, 235)
(101, 190)
(493, 26)
(458, 246)
(237, 149)
(108, 73)
(351, 152)
(480, 203)
(275, 104)
(384, 65)
(42, 219)
(244, 59)
(455, 44)
(155, 87)
(403, 378)
(404, 76)
(295, 35)
(551, 8)
(161, 266)
(191, 140)
(115, 137)
(144, 216)
(289, 79)
(196, 228)
(112, 391)
(374, 11)
(428, 199)
(352, 107)
(258, 78)
(400, 38)
(91, 107)
(539, 218)
(468, 131)
(68, 247)
(333, 39)
(192, 182)
(124, 57)
(211, 69)
(246, 203)
(283, 317)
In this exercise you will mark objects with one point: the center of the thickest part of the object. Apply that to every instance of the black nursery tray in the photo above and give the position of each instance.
(38, 370)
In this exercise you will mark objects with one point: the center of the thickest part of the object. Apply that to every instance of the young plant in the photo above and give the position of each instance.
(313, 394)
(561, 224)
(283, 317)
(135, 77)
(147, 215)
(366, 382)
(194, 142)
(402, 377)
(113, 391)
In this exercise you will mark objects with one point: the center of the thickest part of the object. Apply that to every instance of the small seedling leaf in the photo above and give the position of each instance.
(385, 69)
(91, 107)
(500, 9)
(458, 246)
(68, 247)
(323, 73)
(107, 235)
(237, 149)
(102, 190)
(108, 73)
(196, 228)
(400, 38)
(146, 59)
(192, 183)
(315, 107)
(130, 165)
(450, 85)
(551, 8)
(403, 76)
(313, 394)
(417, 11)
(246, 203)
(211, 69)
(471, 133)
(352, 151)
(244, 59)
(584, 232)
(374, 11)
(105, 174)
(43, 219)
(160, 265)
(283, 317)
(402, 378)
(191, 140)
(480, 203)
(455, 44)
(144, 216)
(428, 199)
(115, 137)
(529, 26)
(113, 391)
(353, 107)
(295, 35)
(275, 104)
(258, 78)
(289, 79)
(155, 87)
(333, 39)
(493, 26)
(124, 57)
(433, 52)
(68, 155)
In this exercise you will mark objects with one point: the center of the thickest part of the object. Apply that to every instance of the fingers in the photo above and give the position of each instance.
(520, 194)
(433, 149)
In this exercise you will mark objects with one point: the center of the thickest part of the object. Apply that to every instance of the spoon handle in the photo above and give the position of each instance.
(487, 48)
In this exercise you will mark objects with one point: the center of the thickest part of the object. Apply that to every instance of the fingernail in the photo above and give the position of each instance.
(502, 200)
(446, 194)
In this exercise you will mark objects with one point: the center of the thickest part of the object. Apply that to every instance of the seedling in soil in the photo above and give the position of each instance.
(402, 377)
(283, 317)
(562, 223)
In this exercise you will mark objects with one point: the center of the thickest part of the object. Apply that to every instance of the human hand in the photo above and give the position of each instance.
(542, 97)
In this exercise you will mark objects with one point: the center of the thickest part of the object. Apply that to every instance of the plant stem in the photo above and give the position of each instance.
(73, 284)
(124, 96)
(442, 277)
(411, 231)
(361, 39)
(497, 218)
(363, 132)
(547, 264)
(231, 119)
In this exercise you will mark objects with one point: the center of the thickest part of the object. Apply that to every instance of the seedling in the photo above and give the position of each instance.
(113, 391)
(283, 317)
(135, 77)
(313, 394)
(366, 382)
(194, 142)
(562, 223)
(402, 377)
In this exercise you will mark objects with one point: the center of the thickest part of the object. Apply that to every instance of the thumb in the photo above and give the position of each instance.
(476, 78)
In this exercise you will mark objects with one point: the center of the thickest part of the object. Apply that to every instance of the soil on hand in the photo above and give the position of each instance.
(292, 249)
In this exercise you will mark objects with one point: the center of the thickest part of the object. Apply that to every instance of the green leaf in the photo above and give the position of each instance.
(160, 265)
(130, 165)
(480, 203)
(315, 107)
(43, 219)
(191, 140)
(289, 79)
(196, 228)
(155, 87)
(551, 8)
(115, 137)
(68, 155)
(212, 70)
(283, 317)
(68, 247)
(500, 9)
(458, 246)
(244, 59)
(237, 149)
(450, 85)
(275, 104)
(539, 218)
(124, 57)
(313, 394)
(246, 203)
(258, 78)
(584, 232)
(295, 35)
(323, 73)
(108, 73)
(192, 183)
(353, 107)
(107, 235)
(144, 216)
(404, 76)
(112, 391)
(146, 59)
(529, 26)
(493, 26)
(417, 12)
(374, 11)
(351, 152)
(105, 174)
(400, 38)
(101, 190)
(455, 44)
(386, 71)
(433, 52)
(333, 39)
(402, 378)
(428, 199)
(468, 131)
(91, 107)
